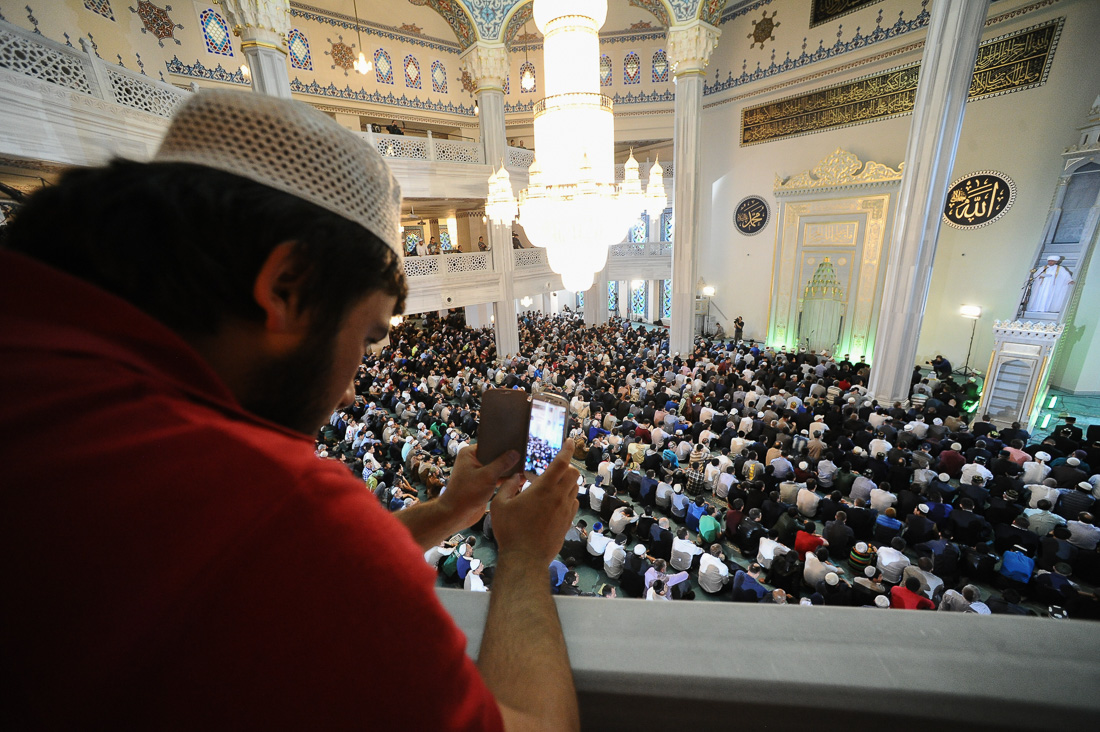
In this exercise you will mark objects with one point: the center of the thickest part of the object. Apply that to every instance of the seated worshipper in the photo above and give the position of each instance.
(684, 552)
(210, 361)
(677, 583)
(635, 566)
(598, 539)
(613, 557)
(746, 585)
(892, 561)
(817, 566)
(909, 597)
(714, 573)
(473, 581)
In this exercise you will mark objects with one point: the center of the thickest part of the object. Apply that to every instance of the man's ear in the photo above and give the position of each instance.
(276, 290)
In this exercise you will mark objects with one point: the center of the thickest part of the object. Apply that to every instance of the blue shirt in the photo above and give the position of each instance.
(694, 513)
(557, 574)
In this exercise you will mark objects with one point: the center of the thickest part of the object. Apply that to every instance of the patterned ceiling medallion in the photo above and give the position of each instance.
(157, 22)
(342, 54)
(763, 30)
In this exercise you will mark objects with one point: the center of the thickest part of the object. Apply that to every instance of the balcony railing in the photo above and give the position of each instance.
(427, 148)
(647, 249)
(32, 55)
(447, 264)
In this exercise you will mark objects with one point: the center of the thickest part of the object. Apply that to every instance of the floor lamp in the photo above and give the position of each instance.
(973, 313)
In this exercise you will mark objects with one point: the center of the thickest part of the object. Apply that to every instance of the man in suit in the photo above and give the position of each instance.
(966, 527)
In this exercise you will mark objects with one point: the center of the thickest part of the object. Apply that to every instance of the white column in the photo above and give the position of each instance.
(478, 316)
(263, 26)
(624, 299)
(595, 300)
(487, 63)
(689, 49)
(947, 68)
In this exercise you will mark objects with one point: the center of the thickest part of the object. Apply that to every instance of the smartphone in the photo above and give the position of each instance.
(534, 427)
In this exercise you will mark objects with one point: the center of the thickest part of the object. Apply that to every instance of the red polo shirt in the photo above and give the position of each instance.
(806, 542)
(171, 560)
(902, 598)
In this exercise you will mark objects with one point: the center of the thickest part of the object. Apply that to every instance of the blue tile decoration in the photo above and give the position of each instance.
(198, 71)
(414, 235)
(336, 20)
(656, 7)
(666, 300)
(632, 69)
(510, 108)
(412, 72)
(383, 67)
(613, 295)
(660, 66)
(298, 49)
(644, 97)
(445, 240)
(527, 70)
(507, 84)
(639, 232)
(736, 10)
(33, 20)
(488, 15)
(684, 10)
(102, 7)
(439, 77)
(606, 70)
(639, 298)
(215, 31)
(361, 95)
(711, 10)
(519, 19)
(666, 225)
(580, 301)
(823, 53)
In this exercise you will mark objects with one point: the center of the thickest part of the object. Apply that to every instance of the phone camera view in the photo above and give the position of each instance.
(544, 436)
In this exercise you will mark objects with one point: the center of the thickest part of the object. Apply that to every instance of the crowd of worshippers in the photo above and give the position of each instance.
(754, 474)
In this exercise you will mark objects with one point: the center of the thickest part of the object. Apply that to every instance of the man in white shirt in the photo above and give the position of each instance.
(595, 495)
(1036, 471)
(723, 483)
(714, 575)
(892, 560)
(473, 581)
(882, 500)
(768, 551)
(970, 470)
(684, 551)
(604, 471)
(597, 542)
(614, 554)
(664, 495)
(817, 566)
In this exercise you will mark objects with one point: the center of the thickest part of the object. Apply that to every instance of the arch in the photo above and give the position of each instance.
(659, 9)
(439, 77)
(660, 66)
(458, 16)
(632, 68)
(607, 69)
(528, 81)
(412, 72)
(383, 67)
(215, 31)
(298, 50)
(516, 19)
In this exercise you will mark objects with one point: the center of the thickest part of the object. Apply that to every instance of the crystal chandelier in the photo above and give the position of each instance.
(572, 206)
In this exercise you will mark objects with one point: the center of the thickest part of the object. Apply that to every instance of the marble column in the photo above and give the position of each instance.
(487, 64)
(689, 49)
(653, 301)
(263, 26)
(947, 67)
(595, 300)
(479, 316)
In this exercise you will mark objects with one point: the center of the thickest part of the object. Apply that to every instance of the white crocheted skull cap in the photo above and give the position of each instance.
(291, 147)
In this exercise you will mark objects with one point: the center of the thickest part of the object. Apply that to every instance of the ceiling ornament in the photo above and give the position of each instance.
(841, 168)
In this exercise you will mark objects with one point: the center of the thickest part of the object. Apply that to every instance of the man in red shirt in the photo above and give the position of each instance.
(807, 541)
(188, 562)
(909, 597)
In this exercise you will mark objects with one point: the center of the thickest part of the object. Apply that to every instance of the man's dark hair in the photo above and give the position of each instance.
(912, 584)
(184, 243)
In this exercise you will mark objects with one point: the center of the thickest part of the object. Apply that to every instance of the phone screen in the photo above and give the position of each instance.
(545, 434)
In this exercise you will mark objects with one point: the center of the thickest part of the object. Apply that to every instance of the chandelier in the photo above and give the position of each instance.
(572, 206)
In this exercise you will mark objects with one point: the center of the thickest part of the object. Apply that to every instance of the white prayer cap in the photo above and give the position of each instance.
(805, 601)
(870, 570)
(1074, 462)
(908, 428)
(677, 488)
(1042, 456)
(956, 446)
(937, 421)
(857, 450)
(861, 547)
(882, 601)
(1085, 485)
(851, 400)
(803, 465)
(475, 565)
(944, 477)
(832, 579)
(292, 147)
(639, 550)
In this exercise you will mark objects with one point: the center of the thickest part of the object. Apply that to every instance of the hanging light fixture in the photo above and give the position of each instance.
(572, 206)
(361, 64)
(527, 78)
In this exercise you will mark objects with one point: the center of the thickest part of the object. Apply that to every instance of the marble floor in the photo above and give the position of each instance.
(1059, 404)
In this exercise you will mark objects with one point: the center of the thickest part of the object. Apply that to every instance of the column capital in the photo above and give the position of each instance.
(262, 23)
(690, 46)
(487, 64)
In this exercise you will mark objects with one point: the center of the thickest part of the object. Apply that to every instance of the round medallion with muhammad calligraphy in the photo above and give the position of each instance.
(978, 199)
(751, 215)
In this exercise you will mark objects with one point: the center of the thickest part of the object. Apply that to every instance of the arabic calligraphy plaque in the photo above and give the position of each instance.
(978, 199)
(752, 215)
(1006, 64)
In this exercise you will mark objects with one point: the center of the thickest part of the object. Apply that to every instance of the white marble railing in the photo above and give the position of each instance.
(519, 157)
(647, 249)
(440, 264)
(40, 58)
(428, 148)
(530, 258)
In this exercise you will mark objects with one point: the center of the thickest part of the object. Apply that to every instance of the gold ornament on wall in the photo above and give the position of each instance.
(763, 29)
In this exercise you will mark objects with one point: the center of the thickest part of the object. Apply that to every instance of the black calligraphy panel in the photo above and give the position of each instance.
(978, 199)
(1010, 63)
(752, 215)
(822, 11)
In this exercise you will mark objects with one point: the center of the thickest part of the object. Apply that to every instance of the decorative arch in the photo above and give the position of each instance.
(527, 71)
(660, 9)
(632, 68)
(215, 31)
(439, 77)
(457, 16)
(660, 66)
(298, 49)
(710, 11)
(521, 15)
(383, 67)
(412, 72)
(607, 69)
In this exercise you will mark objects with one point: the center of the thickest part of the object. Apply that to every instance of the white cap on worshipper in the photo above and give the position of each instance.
(475, 565)
(944, 477)
(1042, 456)
(275, 142)
(882, 601)
(832, 579)
(861, 547)
(870, 570)
(937, 421)
(639, 550)
(956, 446)
(1073, 462)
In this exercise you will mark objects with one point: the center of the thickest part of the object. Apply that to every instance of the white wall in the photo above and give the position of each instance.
(1020, 134)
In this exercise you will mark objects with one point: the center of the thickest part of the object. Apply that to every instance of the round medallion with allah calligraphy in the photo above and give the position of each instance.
(978, 199)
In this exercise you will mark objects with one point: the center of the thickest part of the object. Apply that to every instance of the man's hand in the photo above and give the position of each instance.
(550, 504)
(472, 484)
